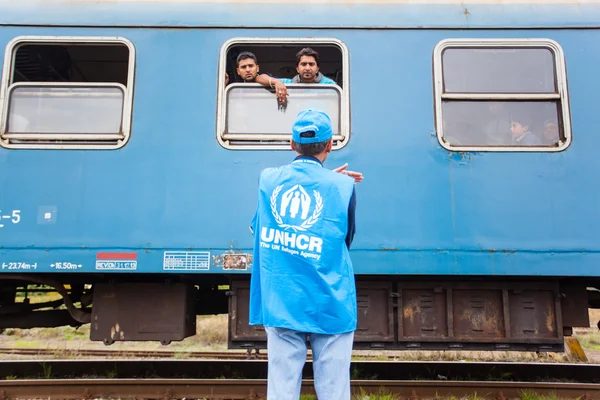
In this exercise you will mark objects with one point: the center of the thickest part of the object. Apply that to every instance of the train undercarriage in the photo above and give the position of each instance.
(394, 312)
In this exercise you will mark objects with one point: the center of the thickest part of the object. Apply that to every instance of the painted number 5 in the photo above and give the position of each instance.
(16, 216)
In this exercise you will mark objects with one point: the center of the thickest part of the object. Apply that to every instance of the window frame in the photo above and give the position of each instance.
(267, 136)
(561, 95)
(342, 140)
(8, 86)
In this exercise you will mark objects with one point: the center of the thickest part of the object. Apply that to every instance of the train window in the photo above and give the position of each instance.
(501, 95)
(68, 93)
(66, 110)
(246, 103)
(249, 116)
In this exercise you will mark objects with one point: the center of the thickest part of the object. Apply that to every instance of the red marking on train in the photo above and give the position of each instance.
(116, 256)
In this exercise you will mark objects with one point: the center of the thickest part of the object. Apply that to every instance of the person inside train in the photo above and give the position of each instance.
(249, 70)
(247, 66)
(307, 66)
(550, 134)
(520, 130)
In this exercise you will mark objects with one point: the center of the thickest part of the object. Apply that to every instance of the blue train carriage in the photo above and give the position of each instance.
(128, 168)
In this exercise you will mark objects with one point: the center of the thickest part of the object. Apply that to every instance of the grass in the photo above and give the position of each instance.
(211, 330)
(475, 397)
(528, 395)
(47, 370)
(45, 334)
(29, 344)
(37, 297)
(381, 394)
(211, 334)
(590, 338)
(112, 373)
(590, 341)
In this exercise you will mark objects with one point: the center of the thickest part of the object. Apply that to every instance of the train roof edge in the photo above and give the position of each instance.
(384, 14)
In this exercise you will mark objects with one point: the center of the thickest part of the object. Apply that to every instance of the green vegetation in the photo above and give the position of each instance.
(37, 297)
(112, 373)
(381, 394)
(211, 335)
(527, 395)
(590, 341)
(47, 371)
(475, 397)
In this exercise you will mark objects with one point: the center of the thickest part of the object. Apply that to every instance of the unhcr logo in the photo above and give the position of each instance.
(280, 240)
(292, 211)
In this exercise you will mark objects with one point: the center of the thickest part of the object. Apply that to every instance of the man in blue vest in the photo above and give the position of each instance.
(302, 281)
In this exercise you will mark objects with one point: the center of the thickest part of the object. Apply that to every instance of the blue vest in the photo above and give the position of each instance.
(302, 277)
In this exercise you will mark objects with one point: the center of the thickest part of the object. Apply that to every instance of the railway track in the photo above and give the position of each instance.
(210, 379)
(217, 355)
(257, 369)
(240, 389)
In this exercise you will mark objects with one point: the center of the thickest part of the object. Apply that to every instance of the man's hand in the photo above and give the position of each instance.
(358, 177)
(281, 92)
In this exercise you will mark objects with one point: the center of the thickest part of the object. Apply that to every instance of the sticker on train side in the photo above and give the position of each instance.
(118, 261)
(186, 261)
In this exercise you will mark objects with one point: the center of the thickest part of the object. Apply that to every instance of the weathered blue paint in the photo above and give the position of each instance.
(421, 209)
(297, 14)
(373, 262)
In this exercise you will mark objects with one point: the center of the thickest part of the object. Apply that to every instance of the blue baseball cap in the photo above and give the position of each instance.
(312, 121)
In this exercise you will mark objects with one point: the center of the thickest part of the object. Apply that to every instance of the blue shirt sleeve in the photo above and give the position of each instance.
(351, 219)
(324, 81)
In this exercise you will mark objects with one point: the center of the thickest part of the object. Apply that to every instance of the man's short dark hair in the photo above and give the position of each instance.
(244, 55)
(310, 149)
(307, 51)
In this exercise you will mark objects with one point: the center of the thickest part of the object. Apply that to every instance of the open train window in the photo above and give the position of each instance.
(501, 95)
(249, 116)
(67, 92)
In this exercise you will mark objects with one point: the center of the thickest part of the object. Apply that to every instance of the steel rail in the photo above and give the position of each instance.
(220, 355)
(257, 369)
(246, 389)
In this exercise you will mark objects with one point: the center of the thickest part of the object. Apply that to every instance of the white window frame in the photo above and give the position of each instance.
(8, 85)
(561, 94)
(223, 138)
